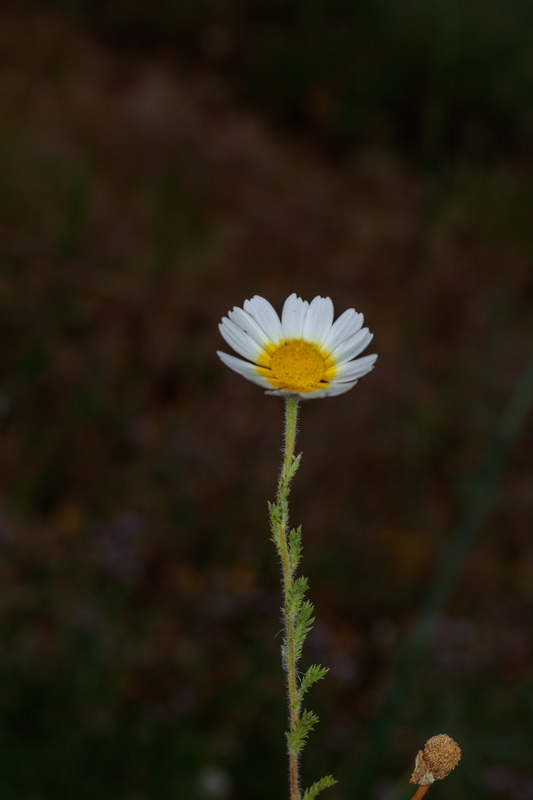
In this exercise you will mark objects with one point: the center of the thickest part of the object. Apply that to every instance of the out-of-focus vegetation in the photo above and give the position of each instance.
(425, 75)
(159, 163)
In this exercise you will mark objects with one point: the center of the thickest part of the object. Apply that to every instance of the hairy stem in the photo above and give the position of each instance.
(280, 538)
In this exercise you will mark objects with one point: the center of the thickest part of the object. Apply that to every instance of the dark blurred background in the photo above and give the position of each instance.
(159, 163)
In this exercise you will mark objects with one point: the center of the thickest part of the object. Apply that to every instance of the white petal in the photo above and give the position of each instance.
(266, 316)
(318, 320)
(283, 393)
(334, 388)
(351, 370)
(248, 324)
(351, 347)
(293, 317)
(244, 368)
(339, 388)
(239, 340)
(347, 325)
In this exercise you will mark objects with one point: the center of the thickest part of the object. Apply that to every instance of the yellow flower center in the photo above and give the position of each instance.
(297, 366)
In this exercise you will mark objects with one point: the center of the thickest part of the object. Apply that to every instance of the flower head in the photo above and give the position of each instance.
(440, 756)
(304, 353)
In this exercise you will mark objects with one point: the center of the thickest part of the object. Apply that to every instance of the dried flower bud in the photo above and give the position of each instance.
(440, 756)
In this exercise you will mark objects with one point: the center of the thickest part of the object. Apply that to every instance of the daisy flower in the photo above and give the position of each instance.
(304, 353)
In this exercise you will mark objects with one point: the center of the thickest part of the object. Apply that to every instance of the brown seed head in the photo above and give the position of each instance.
(440, 755)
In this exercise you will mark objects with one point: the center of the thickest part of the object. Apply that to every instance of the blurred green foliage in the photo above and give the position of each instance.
(430, 76)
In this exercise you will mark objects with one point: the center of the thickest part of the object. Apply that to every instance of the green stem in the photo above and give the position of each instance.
(280, 537)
